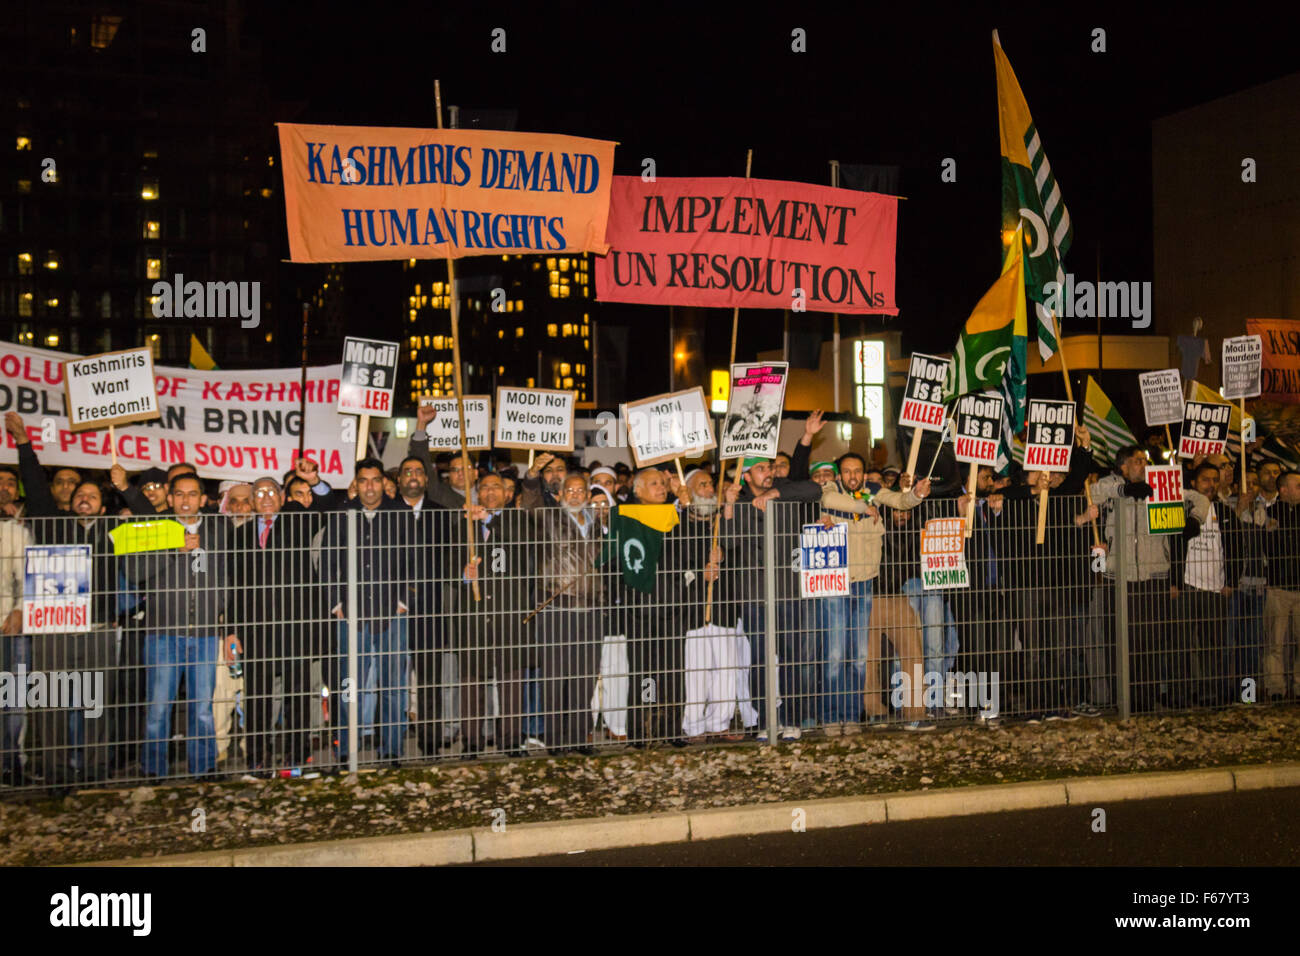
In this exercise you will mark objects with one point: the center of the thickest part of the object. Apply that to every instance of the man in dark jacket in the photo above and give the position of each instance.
(1282, 603)
(382, 561)
(189, 624)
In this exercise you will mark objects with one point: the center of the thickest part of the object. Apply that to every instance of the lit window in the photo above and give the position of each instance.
(426, 341)
(437, 341)
(24, 185)
(564, 265)
(411, 315)
(505, 258)
(519, 305)
(537, 267)
(564, 291)
(152, 229)
(149, 191)
(25, 304)
(582, 369)
(501, 369)
(568, 329)
(565, 368)
(868, 382)
(417, 288)
(552, 330)
(550, 264)
(501, 333)
(424, 300)
(415, 340)
(584, 330)
(24, 263)
(24, 142)
(519, 331)
(266, 194)
(52, 340)
(530, 383)
(555, 276)
(102, 30)
(568, 383)
(413, 354)
(510, 306)
(586, 344)
(268, 336)
(436, 287)
(153, 269)
(53, 303)
(555, 291)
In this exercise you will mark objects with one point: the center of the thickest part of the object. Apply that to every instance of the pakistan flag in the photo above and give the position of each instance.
(636, 540)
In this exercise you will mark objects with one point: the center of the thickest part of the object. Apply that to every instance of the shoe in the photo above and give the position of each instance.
(833, 729)
(1085, 710)
(677, 742)
(762, 735)
(874, 722)
(951, 713)
(585, 751)
(992, 723)
(791, 733)
(852, 728)
(1034, 719)
(920, 726)
(698, 739)
(533, 743)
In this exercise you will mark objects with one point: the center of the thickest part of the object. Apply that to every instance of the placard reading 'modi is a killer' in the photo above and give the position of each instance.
(922, 398)
(979, 419)
(369, 374)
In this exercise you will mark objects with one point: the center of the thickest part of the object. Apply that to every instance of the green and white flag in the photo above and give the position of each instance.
(1109, 431)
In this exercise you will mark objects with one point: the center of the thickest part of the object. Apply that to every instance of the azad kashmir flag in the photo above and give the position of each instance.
(636, 539)
(1030, 194)
(1199, 393)
(992, 349)
(199, 357)
(1109, 432)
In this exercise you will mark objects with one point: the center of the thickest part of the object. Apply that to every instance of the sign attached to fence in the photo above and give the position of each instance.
(979, 423)
(1162, 396)
(922, 404)
(943, 554)
(540, 418)
(1165, 513)
(1205, 429)
(1243, 360)
(753, 424)
(114, 388)
(56, 589)
(824, 561)
(1050, 435)
(444, 430)
(675, 425)
(369, 374)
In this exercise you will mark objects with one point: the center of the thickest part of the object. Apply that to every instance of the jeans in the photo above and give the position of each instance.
(938, 627)
(15, 656)
(166, 657)
(844, 664)
(1245, 636)
(382, 653)
(796, 652)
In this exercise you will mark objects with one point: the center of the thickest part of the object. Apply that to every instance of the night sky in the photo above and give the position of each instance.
(693, 88)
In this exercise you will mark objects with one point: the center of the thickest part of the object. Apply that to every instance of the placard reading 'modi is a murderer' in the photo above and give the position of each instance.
(114, 388)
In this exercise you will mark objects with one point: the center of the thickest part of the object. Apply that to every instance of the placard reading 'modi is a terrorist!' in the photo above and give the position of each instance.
(824, 561)
(540, 418)
(676, 425)
(114, 388)
(56, 589)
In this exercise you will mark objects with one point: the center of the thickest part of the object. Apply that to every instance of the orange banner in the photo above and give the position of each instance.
(1280, 372)
(365, 193)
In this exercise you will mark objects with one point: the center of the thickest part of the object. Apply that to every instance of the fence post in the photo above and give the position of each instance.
(354, 638)
(1121, 609)
(769, 617)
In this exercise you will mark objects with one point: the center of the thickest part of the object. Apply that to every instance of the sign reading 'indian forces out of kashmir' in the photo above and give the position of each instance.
(363, 193)
(749, 243)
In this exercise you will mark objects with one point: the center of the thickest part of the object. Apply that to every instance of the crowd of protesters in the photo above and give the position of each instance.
(493, 609)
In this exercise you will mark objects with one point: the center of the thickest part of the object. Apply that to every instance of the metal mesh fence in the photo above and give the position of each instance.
(330, 640)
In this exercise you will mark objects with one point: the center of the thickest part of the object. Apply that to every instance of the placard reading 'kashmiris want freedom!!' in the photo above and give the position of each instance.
(363, 193)
(749, 243)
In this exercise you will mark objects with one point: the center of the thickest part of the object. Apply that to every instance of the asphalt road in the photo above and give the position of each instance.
(1259, 828)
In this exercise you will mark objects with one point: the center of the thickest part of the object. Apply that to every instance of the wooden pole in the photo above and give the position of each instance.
(363, 426)
(112, 443)
(1241, 478)
(1060, 351)
(915, 451)
(455, 358)
(680, 477)
(302, 401)
(1041, 533)
(970, 505)
(1087, 493)
(1169, 440)
(935, 460)
(722, 473)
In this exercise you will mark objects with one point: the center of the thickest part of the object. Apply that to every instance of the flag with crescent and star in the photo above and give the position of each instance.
(1031, 198)
(991, 345)
(636, 538)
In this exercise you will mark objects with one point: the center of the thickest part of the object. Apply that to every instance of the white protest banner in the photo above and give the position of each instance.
(56, 589)
(369, 374)
(1049, 435)
(752, 428)
(239, 425)
(824, 561)
(979, 423)
(943, 555)
(444, 430)
(1205, 429)
(1243, 359)
(922, 397)
(540, 418)
(1162, 396)
(1165, 513)
(674, 425)
(115, 388)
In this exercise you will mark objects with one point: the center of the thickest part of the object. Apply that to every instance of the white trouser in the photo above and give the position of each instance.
(609, 699)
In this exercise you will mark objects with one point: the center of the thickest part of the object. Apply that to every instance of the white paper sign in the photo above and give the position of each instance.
(369, 374)
(1243, 358)
(444, 430)
(675, 425)
(540, 418)
(979, 426)
(1049, 435)
(114, 388)
(1162, 396)
(753, 424)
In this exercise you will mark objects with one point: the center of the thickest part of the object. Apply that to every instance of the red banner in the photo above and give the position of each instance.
(750, 243)
(1280, 373)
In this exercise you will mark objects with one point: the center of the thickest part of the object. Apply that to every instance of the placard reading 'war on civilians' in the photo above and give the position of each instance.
(114, 388)
(1049, 435)
(1243, 358)
(1165, 512)
(824, 561)
(56, 589)
(675, 425)
(444, 430)
(540, 418)
(979, 423)
(369, 375)
(753, 424)
(1205, 429)
(943, 554)
(923, 396)
(1162, 396)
